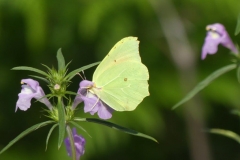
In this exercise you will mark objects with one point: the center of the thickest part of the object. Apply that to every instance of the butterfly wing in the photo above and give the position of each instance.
(121, 78)
(124, 50)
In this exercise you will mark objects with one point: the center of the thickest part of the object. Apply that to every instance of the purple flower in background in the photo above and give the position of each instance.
(30, 89)
(216, 35)
(92, 103)
(79, 143)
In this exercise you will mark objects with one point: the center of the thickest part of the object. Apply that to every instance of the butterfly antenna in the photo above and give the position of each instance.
(81, 76)
(84, 75)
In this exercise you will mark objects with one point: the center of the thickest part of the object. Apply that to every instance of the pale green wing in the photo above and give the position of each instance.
(123, 85)
(124, 50)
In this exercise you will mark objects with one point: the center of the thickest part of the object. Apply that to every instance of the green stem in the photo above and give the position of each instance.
(70, 135)
(61, 121)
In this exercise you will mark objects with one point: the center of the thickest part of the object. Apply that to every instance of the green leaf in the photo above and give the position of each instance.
(73, 73)
(61, 60)
(80, 127)
(49, 69)
(115, 126)
(205, 83)
(41, 78)
(226, 133)
(238, 73)
(49, 133)
(71, 93)
(70, 136)
(24, 133)
(61, 122)
(237, 30)
(30, 69)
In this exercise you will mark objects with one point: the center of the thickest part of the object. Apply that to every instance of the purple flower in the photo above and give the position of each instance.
(31, 89)
(92, 103)
(216, 35)
(79, 143)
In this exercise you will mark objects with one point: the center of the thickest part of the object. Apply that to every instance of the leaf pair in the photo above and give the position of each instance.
(61, 136)
(61, 67)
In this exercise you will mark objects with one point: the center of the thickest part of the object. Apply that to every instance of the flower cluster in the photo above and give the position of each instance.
(32, 89)
(58, 82)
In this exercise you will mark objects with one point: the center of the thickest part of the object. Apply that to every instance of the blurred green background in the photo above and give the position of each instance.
(171, 35)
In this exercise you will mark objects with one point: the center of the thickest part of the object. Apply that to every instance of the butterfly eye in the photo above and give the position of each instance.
(89, 87)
